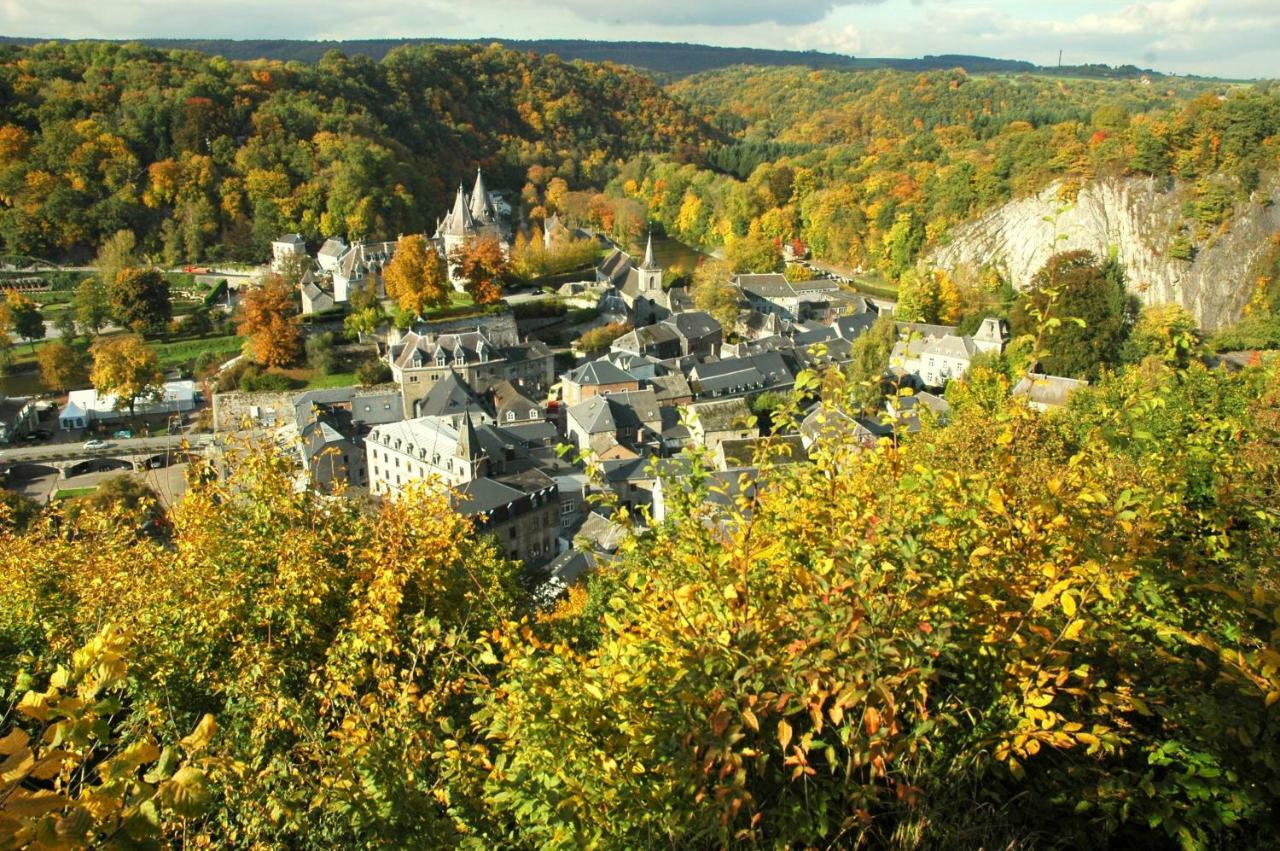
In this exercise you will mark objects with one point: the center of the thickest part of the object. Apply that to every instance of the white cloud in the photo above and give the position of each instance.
(1225, 37)
(710, 12)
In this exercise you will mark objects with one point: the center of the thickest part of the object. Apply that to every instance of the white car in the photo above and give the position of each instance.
(96, 444)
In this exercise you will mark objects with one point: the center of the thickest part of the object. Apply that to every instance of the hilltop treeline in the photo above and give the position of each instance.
(869, 168)
(1014, 631)
(207, 158)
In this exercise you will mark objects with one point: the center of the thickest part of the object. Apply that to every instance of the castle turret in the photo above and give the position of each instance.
(481, 207)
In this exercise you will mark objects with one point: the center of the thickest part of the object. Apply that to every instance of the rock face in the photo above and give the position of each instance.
(1138, 218)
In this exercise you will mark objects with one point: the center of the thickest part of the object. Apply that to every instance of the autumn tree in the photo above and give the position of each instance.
(1083, 311)
(1166, 331)
(483, 266)
(269, 320)
(22, 317)
(711, 290)
(754, 252)
(869, 361)
(598, 339)
(92, 304)
(61, 366)
(126, 367)
(416, 277)
(117, 253)
(140, 300)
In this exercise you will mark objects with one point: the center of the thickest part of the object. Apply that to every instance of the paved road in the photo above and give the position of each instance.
(76, 451)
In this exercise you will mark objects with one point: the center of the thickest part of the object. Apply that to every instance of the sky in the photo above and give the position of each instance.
(1230, 38)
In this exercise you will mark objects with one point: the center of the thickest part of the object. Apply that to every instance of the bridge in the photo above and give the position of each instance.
(138, 453)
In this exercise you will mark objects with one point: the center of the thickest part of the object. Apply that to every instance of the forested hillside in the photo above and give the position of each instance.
(868, 168)
(1014, 631)
(206, 158)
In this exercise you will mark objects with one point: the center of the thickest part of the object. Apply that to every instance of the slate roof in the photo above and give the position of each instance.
(1049, 390)
(721, 414)
(485, 496)
(531, 433)
(419, 350)
(951, 346)
(669, 387)
(694, 325)
(766, 285)
(615, 266)
(507, 398)
(615, 411)
(598, 372)
(679, 300)
(333, 247)
(291, 239)
(450, 396)
(854, 326)
(385, 405)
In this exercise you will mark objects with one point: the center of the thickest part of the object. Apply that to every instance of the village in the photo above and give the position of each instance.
(546, 446)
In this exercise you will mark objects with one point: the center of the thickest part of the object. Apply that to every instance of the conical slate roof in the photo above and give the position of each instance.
(459, 222)
(468, 440)
(481, 208)
(649, 264)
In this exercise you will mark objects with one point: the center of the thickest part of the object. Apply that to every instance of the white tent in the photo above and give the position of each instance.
(86, 406)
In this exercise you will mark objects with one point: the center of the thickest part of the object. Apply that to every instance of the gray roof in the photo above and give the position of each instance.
(484, 496)
(614, 411)
(598, 372)
(459, 221)
(853, 327)
(766, 285)
(694, 325)
(666, 387)
(384, 402)
(722, 414)
(615, 265)
(291, 239)
(333, 247)
(419, 350)
(1048, 390)
(449, 396)
(951, 346)
(531, 432)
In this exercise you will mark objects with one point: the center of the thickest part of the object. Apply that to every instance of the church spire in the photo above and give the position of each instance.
(468, 441)
(649, 264)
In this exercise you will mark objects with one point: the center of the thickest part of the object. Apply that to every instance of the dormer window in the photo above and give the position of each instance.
(511, 416)
(460, 357)
(533, 413)
(441, 360)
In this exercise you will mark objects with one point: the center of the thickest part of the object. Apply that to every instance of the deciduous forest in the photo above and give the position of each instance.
(1015, 631)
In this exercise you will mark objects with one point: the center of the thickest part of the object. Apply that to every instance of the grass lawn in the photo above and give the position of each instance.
(336, 379)
(72, 493)
(183, 352)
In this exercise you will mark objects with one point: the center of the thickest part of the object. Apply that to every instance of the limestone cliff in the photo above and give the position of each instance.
(1139, 218)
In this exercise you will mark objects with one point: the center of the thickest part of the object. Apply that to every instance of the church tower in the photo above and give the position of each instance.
(650, 271)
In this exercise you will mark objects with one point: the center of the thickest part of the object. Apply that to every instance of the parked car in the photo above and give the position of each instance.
(123, 434)
(43, 433)
(95, 443)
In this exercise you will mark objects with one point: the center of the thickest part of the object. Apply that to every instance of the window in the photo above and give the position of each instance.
(511, 416)
(533, 413)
